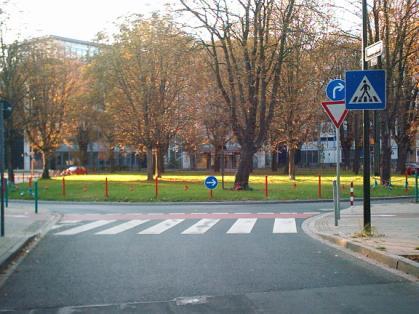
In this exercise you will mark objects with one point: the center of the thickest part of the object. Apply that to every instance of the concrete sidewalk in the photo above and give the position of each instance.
(22, 226)
(395, 234)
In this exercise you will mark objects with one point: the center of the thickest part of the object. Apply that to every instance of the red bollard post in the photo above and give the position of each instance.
(319, 191)
(266, 186)
(157, 186)
(352, 194)
(106, 188)
(63, 186)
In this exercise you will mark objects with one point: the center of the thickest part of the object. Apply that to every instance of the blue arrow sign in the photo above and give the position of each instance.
(365, 90)
(335, 90)
(211, 182)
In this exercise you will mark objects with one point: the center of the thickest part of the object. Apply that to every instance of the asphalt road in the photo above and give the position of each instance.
(256, 268)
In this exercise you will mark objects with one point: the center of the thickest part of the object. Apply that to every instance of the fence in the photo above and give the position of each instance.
(173, 189)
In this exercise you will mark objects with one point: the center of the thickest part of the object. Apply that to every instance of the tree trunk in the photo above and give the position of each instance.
(291, 163)
(149, 164)
(274, 164)
(45, 165)
(385, 159)
(193, 161)
(111, 159)
(241, 181)
(346, 152)
(83, 155)
(159, 162)
(216, 159)
(10, 171)
(402, 152)
(357, 154)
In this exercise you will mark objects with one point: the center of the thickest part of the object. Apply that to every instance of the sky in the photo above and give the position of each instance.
(79, 19)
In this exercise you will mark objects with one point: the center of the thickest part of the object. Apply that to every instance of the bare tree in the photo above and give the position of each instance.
(395, 22)
(12, 88)
(147, 66)
(247, 42)
(50, 85)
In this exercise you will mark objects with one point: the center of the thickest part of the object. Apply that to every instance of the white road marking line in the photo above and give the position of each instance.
(162, 227)
(285, 225)
(86, 227)
(243, 225)
(201, 226)
(69, 221)
(123, 227)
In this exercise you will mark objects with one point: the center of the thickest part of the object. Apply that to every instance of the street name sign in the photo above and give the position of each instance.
(211, 182)
(335, 90)
(336, 111)
(365, 90)
(373, 51)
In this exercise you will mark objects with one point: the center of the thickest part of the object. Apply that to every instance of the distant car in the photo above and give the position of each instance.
(74, 170)
(411, 169)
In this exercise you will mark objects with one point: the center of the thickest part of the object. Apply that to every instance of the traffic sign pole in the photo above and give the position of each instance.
(337, 213)
(2, 168)
(367, 202)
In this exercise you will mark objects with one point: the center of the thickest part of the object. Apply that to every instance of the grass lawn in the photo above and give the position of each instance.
(188, 186)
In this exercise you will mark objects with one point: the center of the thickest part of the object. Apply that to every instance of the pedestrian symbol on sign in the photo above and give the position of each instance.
(365, 90)
(365, 93)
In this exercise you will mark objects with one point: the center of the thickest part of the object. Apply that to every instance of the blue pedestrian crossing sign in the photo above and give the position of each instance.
(365, 90)
(335, 90)
(211, 182)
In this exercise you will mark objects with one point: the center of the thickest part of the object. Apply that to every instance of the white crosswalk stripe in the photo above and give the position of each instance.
(85, 227)
(239, 226)
(285, 225)
(162, 227)
(201, 226)
(242, 225)
(123, 227)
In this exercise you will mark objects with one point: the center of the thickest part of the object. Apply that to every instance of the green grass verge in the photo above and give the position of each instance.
(188, 186)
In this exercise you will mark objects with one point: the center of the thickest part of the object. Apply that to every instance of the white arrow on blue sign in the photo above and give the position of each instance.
(365, 90)
(211, 182)
(335, 90)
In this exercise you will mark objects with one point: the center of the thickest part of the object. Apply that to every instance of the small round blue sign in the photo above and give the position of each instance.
(211, 182)
(335, 90)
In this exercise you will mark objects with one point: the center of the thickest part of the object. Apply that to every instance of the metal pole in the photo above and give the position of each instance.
(334, 202)
(338, 172)
(2, 167)
(367, 203)
(36, 196)
(6, 191)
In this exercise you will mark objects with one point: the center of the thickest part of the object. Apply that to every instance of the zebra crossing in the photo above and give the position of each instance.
(159, 223)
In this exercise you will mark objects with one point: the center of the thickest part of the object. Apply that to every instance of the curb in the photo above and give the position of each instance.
(392, 261)
(273, 202)
(26, 241)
